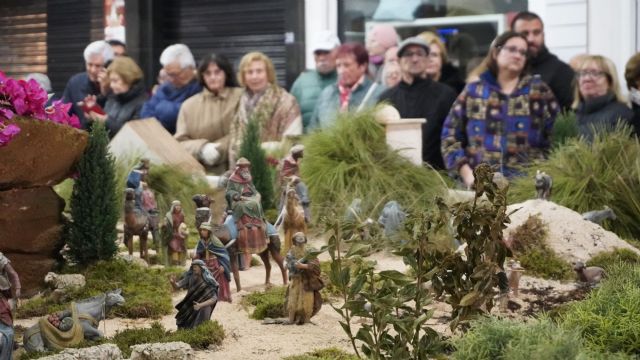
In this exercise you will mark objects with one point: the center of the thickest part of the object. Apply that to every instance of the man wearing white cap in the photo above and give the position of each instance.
(310, 83)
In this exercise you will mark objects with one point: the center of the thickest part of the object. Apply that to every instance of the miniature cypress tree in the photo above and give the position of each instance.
(252, 150)
(94, 205)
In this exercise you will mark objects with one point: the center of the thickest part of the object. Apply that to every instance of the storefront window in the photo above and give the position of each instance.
(467, 27)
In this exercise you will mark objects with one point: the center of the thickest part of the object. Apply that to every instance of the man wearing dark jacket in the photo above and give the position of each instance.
(554, 72)
(179, 64)
(97, 56)
(419, 97)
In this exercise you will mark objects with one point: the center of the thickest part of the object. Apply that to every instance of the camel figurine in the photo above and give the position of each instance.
(136, 222)
(293, 219)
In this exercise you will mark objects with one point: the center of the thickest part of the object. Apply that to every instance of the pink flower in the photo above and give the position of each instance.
(8, 132)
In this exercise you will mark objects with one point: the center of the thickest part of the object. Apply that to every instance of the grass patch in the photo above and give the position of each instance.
(268, 303)
(324, 354)
(528, 243)
(608, 318)
(608, 259)
(147, 292)
(565, 127)
(492, 338)
(352, 160)
(589, 176)
(204, 335)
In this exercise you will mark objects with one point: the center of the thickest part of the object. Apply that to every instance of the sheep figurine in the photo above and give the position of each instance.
(64, 281)
(591, 275)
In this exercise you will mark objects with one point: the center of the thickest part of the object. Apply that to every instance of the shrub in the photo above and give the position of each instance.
(608, 319)
(589, 176)
(268, 304)
(323, 354)
(352, 160)
(607, 259)
(94, 208)
(147, 292)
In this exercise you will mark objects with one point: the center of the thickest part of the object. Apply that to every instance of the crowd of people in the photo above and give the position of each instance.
(502, 112)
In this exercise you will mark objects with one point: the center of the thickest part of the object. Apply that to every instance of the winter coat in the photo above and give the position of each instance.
(328, 105)
(555, 73)
(503, 130)
(450, 75)
(166, 102)
(78, 87)
(121, 108)
(307, 89)
(426, 99)
(207, 117)
(601, 114)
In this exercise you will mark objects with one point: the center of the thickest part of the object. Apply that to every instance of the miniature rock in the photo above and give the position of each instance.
(100, 352)
(162, 351)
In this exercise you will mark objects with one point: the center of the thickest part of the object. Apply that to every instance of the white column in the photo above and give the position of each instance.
(318, 15)
(612, 31)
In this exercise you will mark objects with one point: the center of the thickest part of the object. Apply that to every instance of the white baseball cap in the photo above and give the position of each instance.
(325, 41)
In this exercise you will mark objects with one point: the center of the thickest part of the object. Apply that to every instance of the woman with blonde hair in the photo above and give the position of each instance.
(598, 101)
(264, 101)
(439, 68)
(127, 95)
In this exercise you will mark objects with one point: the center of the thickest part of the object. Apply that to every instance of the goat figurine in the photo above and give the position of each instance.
(544, 183)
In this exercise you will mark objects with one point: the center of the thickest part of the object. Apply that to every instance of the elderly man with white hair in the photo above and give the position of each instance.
(179, 65)
(92, 82)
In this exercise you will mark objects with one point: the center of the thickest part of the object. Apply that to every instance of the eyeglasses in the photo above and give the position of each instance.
(513, 50)
(419, 54)
(590, 73)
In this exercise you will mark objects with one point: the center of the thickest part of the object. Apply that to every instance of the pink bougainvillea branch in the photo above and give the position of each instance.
(27, 98)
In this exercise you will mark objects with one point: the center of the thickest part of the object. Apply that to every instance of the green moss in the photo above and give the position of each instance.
(268, 303)
(607, 259)
(323, 354)
(528, 243)
(147, 292)
(545, 263)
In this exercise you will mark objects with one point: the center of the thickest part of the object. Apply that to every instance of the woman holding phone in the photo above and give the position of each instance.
(126, 98)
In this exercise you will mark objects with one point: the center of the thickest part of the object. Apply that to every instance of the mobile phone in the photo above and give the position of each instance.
(95, 108)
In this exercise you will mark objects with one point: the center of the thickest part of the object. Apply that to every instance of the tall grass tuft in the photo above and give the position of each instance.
(565, 128)
(352, 160)
(171, 183)
(589, 176)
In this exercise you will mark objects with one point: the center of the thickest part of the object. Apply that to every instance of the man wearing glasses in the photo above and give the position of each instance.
(554, 72)
(179, 66)
(419, 97)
